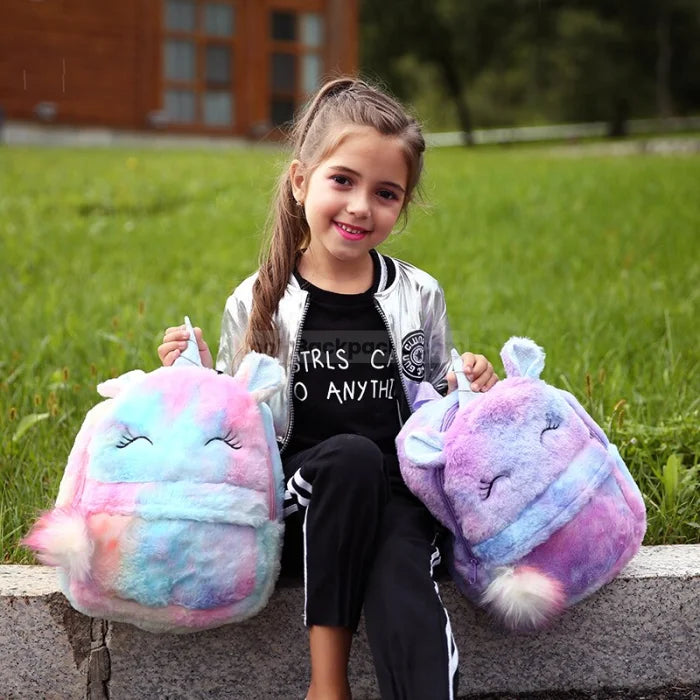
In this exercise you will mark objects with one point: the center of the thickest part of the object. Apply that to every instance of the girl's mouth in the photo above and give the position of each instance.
(350, 233)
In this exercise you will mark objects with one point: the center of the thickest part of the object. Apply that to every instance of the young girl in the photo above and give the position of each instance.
(357, 331)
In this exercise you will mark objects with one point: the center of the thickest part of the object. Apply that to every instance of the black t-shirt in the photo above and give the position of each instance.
(345, 375)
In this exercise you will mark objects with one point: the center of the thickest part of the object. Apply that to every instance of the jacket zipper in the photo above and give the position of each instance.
(377, 305)
(290, 402)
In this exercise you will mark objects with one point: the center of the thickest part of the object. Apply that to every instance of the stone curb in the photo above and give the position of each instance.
(640, 632)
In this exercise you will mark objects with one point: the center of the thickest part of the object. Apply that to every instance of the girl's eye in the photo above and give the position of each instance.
(387, 194)
(127, 439)
(341, 179)
(229, 439)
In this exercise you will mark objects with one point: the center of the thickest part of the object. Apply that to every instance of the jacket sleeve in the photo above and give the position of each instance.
(233, 328)
(438, 339)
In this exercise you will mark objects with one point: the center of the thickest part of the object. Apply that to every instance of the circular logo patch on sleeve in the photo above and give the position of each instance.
(413, 355)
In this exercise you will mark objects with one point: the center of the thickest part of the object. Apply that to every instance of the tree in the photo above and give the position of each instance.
(525, 61)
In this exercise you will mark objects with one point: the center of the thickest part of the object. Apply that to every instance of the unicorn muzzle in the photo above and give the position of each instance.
(555, 506)
(181, 500)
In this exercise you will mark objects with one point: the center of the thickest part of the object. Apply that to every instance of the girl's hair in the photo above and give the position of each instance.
(337, 108)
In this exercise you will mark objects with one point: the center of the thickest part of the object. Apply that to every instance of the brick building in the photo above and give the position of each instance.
(231, 67)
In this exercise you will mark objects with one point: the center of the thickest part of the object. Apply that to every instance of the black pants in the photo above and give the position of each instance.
(358, 536)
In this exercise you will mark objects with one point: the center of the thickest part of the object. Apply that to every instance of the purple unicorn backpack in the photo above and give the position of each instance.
(541, 508)
(168, 515)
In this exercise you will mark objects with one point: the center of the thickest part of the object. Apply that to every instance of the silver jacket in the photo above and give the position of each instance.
(412, 306)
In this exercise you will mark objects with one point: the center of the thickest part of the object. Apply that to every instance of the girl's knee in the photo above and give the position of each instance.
(356, 447)
(355, 459)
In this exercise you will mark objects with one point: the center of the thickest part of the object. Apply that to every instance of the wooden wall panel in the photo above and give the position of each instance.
(85, 58)
(342, 49)
(99, 61)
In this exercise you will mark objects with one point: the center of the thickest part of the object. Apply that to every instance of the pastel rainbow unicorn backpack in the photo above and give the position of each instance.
(168, 515)
(541, 509)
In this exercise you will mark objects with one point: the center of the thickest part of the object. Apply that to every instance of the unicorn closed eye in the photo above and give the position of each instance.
(541, 508)
(168, 515)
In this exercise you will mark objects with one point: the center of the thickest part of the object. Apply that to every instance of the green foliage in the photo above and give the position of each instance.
(531, 61)
(596, 259)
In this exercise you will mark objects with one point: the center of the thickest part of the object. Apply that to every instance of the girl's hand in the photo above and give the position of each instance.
(479, 372)
(175, 341)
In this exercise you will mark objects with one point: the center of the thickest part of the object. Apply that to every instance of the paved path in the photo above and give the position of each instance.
(667, 693)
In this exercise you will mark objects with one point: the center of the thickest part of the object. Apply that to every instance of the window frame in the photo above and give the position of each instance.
(199, 85)
(294, 47)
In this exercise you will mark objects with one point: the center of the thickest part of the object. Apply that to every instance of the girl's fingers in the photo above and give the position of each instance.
(451, 382)
(481, 365)
(166, 349)
(468, 361)
(478, 370)
(485, 381)
(199, 337)
(482, 374)
(175, 333)
(489, 384)
(170, 357)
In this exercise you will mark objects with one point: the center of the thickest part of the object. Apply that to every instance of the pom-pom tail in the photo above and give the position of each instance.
(61, 538)
(524, 597)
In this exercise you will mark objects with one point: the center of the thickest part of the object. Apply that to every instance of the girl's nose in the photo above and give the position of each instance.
(358, 205)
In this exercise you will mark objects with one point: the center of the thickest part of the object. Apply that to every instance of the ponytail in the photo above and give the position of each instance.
(287, 237)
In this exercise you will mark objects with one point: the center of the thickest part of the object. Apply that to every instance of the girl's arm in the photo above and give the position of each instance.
(438, 341)
(233, 328)
(478, 369)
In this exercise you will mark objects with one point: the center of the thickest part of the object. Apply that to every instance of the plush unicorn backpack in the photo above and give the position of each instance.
(169, 511)
(541, 508)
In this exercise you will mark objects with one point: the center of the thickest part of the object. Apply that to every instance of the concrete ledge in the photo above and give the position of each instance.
(640, 632)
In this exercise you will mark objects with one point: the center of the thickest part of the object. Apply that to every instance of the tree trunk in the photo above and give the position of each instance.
(663, 63)
(455, 91)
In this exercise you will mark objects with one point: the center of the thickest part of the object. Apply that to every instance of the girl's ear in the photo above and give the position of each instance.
(297, 178)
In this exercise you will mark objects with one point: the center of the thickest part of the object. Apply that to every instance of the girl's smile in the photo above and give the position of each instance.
(351, 200)
(351, 233)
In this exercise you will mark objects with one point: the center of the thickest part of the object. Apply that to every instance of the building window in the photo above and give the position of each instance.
(199, 49)
(218, 19)
(179, 105)
(179, 60)
(180, 15)
(296, 63)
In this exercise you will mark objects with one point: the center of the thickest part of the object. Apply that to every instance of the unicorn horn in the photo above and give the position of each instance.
(190, 356)
(464, 391)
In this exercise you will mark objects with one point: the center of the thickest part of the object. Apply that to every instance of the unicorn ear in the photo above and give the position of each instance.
(261, 374)
(522, 357)
(111, 387)
(424, 439)
(425, 448)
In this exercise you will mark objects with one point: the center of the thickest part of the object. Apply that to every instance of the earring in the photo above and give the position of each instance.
(300, 204)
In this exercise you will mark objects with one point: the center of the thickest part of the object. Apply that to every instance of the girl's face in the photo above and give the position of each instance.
(353, 198)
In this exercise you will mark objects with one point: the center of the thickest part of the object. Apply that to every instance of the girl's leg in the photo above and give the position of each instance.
(339, 490)
(407, 626)
(329, 649)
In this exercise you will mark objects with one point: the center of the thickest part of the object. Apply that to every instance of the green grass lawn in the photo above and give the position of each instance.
(597, 259)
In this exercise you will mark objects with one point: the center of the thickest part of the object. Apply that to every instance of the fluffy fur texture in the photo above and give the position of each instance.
(524, 479)
(524, 596)
(169, 511)
(61, 538)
